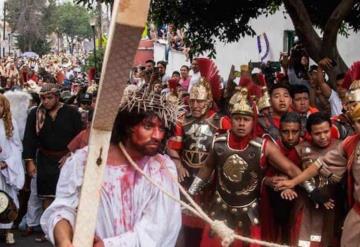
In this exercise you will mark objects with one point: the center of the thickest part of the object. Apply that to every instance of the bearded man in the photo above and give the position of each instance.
(132, 211)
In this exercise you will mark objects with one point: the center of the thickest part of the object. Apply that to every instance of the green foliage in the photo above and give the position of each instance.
(33, 20)
(206, 20)
(49, 17)
(320, 11)
(228, 21)
(90, 61)
(72, 20)
(39, 46)
(13, 12)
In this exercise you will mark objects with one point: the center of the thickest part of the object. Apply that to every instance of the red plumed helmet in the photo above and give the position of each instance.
(351, 75)
(245, 81)
(210, 72)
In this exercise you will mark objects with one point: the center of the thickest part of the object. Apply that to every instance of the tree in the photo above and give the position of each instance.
(39, 45)
(331, 17)
(228, 21)
(73, 22)
(25, 17)
(31, 21)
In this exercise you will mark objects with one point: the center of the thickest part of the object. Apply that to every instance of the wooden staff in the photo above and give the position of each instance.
(127, 24)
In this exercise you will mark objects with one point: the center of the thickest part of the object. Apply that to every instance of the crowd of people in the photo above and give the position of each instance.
(274, 156)
(169, 35)
(45, 104)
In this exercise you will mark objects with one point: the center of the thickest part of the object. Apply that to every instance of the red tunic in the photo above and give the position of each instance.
(272, 229)
(349, 145)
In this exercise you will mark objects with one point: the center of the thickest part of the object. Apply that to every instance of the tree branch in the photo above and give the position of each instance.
(333, 24)
(303, 27)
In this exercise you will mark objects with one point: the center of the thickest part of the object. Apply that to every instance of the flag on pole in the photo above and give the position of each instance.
(264, 49)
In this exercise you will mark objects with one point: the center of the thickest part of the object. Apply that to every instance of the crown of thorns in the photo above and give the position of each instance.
(144, 100)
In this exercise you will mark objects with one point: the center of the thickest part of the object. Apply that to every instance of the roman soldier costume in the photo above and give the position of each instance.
(269, 125)
(239, 167)
(238, 186)
(334, 165)
(343, 125)
(313, 226)
(192, 141)
(193, 138)
(343, 122)
(263, 103)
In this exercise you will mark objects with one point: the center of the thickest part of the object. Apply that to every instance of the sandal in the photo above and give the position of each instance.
(40, 239)
(9, 239)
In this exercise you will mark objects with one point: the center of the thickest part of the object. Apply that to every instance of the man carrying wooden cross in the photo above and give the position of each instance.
(132, 212)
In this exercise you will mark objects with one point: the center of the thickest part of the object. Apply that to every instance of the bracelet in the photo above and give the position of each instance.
(28, 159)
(197, 185)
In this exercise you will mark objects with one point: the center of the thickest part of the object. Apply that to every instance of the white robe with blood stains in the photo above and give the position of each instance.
(132, 211)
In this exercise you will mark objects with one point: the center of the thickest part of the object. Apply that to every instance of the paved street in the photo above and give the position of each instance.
(26, 242)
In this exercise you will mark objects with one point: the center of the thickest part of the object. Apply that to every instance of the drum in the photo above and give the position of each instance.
(8, 210)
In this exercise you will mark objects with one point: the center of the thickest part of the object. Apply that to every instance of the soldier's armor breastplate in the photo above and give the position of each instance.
(197, 140)
(309, 154)
(239, 173)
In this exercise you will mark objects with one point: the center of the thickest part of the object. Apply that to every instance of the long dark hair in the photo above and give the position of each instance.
(126, 120)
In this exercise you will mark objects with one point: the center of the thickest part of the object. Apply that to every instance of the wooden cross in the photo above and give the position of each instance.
(127, 24)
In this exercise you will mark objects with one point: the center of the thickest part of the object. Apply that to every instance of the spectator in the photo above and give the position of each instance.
(184, 77)
(150, 65)
(162, 72)
(195, 77)
(340, 89)
(175, 75)
(326, 90)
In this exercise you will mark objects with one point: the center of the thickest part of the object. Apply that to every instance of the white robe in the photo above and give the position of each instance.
(132, 211)
(12, 178)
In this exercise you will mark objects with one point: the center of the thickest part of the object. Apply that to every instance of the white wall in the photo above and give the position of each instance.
(245, 49)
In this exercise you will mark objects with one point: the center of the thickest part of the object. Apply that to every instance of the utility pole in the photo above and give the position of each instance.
(9, 43)
(99, 22)
(4, 24)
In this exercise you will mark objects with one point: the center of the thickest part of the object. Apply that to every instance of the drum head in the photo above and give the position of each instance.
(4, 201)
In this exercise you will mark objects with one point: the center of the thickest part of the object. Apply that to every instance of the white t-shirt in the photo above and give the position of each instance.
(194, 79)
(335, 103)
